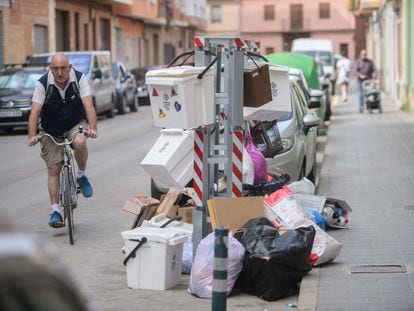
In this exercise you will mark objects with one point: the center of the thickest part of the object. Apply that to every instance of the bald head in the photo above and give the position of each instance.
(60, 68)
(363, 54)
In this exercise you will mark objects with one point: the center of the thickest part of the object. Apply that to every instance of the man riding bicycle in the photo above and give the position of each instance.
(62, 98)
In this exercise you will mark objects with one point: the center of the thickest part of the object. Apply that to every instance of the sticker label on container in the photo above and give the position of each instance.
(173, 92)
(177, 106)
(154, 92)
(161, 114)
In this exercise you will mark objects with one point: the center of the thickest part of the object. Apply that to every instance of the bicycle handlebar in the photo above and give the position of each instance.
(65, 142)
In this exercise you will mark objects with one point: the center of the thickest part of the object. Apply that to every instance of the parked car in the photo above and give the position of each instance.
(142, 87)
(298, 133)
(97, 67)
(126, 88)
(16, 91)
(32, 277)
(321, 50)
(297, 129)
(325, 85)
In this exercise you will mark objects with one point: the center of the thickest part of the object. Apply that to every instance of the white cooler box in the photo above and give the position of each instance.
(170, 160)
(281, 100)
(157, 263)
(179, 99)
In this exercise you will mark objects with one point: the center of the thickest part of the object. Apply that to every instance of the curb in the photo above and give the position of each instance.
(308, 292)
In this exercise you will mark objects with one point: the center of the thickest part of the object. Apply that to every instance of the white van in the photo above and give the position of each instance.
(320, 49)
(97, 67)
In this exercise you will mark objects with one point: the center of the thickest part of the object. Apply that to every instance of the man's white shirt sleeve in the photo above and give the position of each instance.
(39, 93)
(84, 88)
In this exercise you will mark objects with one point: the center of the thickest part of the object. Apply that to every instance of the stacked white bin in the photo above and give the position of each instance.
(157, 263)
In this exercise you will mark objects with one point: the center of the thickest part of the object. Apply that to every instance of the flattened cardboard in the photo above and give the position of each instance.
(234, 212)
(136, 203)
(168, 204)
(186, 214)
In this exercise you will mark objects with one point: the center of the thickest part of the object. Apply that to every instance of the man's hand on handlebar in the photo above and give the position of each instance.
(33, 140)
(92, 133)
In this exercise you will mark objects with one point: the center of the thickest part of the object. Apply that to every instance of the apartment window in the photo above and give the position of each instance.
(269, 50)
(62, 30)
(269, 12)
(216, 13)
(105, 25)
(324, 10)
(296, 17)
(40, 38)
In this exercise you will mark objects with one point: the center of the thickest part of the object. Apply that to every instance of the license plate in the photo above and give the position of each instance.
(10, 113)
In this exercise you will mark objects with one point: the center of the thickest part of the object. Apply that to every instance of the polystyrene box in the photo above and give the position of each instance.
(170, 160)
(179, 99)
(281, 100)
(157, 263)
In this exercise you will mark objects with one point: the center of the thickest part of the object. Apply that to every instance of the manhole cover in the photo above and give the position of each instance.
(378, 269)
(408, 207)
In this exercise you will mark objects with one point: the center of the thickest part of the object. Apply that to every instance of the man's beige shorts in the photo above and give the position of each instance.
(49, 151)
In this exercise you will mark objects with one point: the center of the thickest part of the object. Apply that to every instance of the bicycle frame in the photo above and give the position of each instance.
(68, 189)
(68, 183)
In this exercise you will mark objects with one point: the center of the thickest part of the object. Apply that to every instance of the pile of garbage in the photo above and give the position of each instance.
(274, 241)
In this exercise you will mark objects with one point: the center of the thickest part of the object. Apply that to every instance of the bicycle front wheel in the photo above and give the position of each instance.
(69, 193)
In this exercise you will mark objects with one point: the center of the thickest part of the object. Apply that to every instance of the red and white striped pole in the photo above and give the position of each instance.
(198, 166)
(237, 164)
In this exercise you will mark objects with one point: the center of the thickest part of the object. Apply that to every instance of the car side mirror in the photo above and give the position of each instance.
(97, 74)
(310, 121)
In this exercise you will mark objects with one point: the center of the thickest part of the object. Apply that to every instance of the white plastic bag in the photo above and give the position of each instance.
(201, 277)
(187, 258)
(304, 186)
(248, 168)
(284, 206)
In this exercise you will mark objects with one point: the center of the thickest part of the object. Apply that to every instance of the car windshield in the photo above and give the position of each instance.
(324, 57)
(4, 78)
(80, 62)
(22, 80)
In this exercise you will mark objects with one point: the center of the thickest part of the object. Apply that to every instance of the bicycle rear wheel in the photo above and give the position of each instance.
(69, 199)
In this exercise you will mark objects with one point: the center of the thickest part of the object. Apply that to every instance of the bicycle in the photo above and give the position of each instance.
(69, 188)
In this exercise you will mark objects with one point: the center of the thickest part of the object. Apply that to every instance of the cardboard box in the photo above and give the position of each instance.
(144, 207)
(235, 212)
(168, 205)
(186, 214)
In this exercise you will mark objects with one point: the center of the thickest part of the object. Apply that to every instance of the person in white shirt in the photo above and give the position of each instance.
(343, 73)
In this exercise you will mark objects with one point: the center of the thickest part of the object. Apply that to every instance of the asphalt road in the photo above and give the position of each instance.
(95, 261)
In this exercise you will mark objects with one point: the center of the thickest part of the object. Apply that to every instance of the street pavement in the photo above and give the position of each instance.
(368, 161)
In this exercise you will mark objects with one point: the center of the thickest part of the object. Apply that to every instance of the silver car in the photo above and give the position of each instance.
(298, 132)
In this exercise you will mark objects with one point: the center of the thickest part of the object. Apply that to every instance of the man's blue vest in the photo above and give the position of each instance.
(60, 115)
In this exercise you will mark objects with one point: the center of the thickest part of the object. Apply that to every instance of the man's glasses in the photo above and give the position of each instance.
(59, 68)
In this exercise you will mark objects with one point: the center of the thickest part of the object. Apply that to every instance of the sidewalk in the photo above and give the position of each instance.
(369, 162)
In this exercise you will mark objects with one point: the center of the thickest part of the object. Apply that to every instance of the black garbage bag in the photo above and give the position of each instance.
(274, 264)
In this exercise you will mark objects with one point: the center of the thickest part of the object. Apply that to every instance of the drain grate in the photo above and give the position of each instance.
(408, 207)
(378, 269)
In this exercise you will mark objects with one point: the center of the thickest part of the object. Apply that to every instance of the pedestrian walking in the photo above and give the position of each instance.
(62, 98)
(343, 73)
(365, 69)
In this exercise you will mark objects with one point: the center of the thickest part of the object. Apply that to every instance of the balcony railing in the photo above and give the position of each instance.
(293, 26)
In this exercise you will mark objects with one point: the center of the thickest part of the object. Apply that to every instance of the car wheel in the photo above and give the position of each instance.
(134, 106)
(111, 111)
(122, 105)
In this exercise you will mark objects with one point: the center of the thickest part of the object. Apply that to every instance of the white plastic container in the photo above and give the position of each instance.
(157, 263)
(179, 226)
(170, 160)
(179, 99)
(281, 100)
